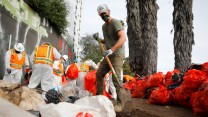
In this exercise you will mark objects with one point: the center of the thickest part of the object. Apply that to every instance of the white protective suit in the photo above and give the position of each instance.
(57, 80)
(81, 75)
(16, 74)
(110, 86)
(43, 73)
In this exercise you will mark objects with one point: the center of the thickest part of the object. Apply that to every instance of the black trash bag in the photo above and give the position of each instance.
(53, 96)
(73, 99)
(177, 79)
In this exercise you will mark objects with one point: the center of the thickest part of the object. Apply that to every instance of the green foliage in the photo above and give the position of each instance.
(90, 49)
(126, 68)
(54, 10)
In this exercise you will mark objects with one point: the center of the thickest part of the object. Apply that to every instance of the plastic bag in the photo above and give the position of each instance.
(72, 72)
(156, 79)
(53, 96)
(99, 102)
(70, 89)
(160, 96)
(90, 81)
(64, 109)
(181, 96)
(167, 80)
(63, 80)
(205, 67)
(199, 102)
(195, 78)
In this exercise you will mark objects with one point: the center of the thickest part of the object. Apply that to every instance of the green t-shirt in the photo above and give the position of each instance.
(111, 37)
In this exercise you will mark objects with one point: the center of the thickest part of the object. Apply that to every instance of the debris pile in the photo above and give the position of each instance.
(25, 98)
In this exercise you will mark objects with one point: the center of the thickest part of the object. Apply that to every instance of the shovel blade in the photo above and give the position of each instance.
(125, 96)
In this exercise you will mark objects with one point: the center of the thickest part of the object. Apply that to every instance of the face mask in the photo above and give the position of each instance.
(105, 17)
(17, 51)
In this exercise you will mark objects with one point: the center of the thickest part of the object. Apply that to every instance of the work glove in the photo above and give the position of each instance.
(107, 53)
(28, 70)
(9, 70)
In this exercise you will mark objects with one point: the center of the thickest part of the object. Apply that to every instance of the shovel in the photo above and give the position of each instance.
(125, 95)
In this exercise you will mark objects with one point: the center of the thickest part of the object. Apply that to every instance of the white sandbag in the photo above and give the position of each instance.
(64, 109)
(101, 102)
(10, 110)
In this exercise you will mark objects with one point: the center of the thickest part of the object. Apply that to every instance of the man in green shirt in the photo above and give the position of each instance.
(114, 38)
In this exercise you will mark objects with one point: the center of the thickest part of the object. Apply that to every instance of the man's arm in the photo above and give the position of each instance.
(122, 38)
(56, 54)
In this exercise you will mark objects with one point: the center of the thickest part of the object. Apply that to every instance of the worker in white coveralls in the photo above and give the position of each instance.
(84, 67)
(15, 60)
(42, 59)
(58, 71)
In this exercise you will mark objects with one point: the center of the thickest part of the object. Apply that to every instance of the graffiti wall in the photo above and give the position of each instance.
(19, 23)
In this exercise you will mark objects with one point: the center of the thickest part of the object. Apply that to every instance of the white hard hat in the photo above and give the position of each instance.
(65, 57)
(19, 47)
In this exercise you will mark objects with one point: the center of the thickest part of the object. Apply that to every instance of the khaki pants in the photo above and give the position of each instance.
(117, 62)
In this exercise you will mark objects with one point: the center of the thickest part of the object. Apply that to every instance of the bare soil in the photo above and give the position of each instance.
(140, 108)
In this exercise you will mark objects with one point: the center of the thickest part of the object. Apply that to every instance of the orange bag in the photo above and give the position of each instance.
(91, 84)
(205, 67)
(160, 96)
(72, 72)
(199, 102)
(90, 81)
(156, 79)
(167, 80)
(63, 80)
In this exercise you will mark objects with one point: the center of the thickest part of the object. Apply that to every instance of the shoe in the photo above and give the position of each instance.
(118, 108)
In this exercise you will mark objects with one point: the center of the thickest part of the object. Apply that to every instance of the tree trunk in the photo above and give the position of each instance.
(183, 33)
(142, 35)
(134, 32)
(148, 17)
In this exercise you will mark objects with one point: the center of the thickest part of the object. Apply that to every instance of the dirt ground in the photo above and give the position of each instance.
(140, 108)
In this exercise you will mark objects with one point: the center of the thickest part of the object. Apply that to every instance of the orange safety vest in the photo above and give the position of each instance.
(15, 62)
(60, 71)
(84, 67)
(44, 55)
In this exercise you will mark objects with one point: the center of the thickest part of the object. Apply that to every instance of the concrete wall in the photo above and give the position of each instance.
(14, 29)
